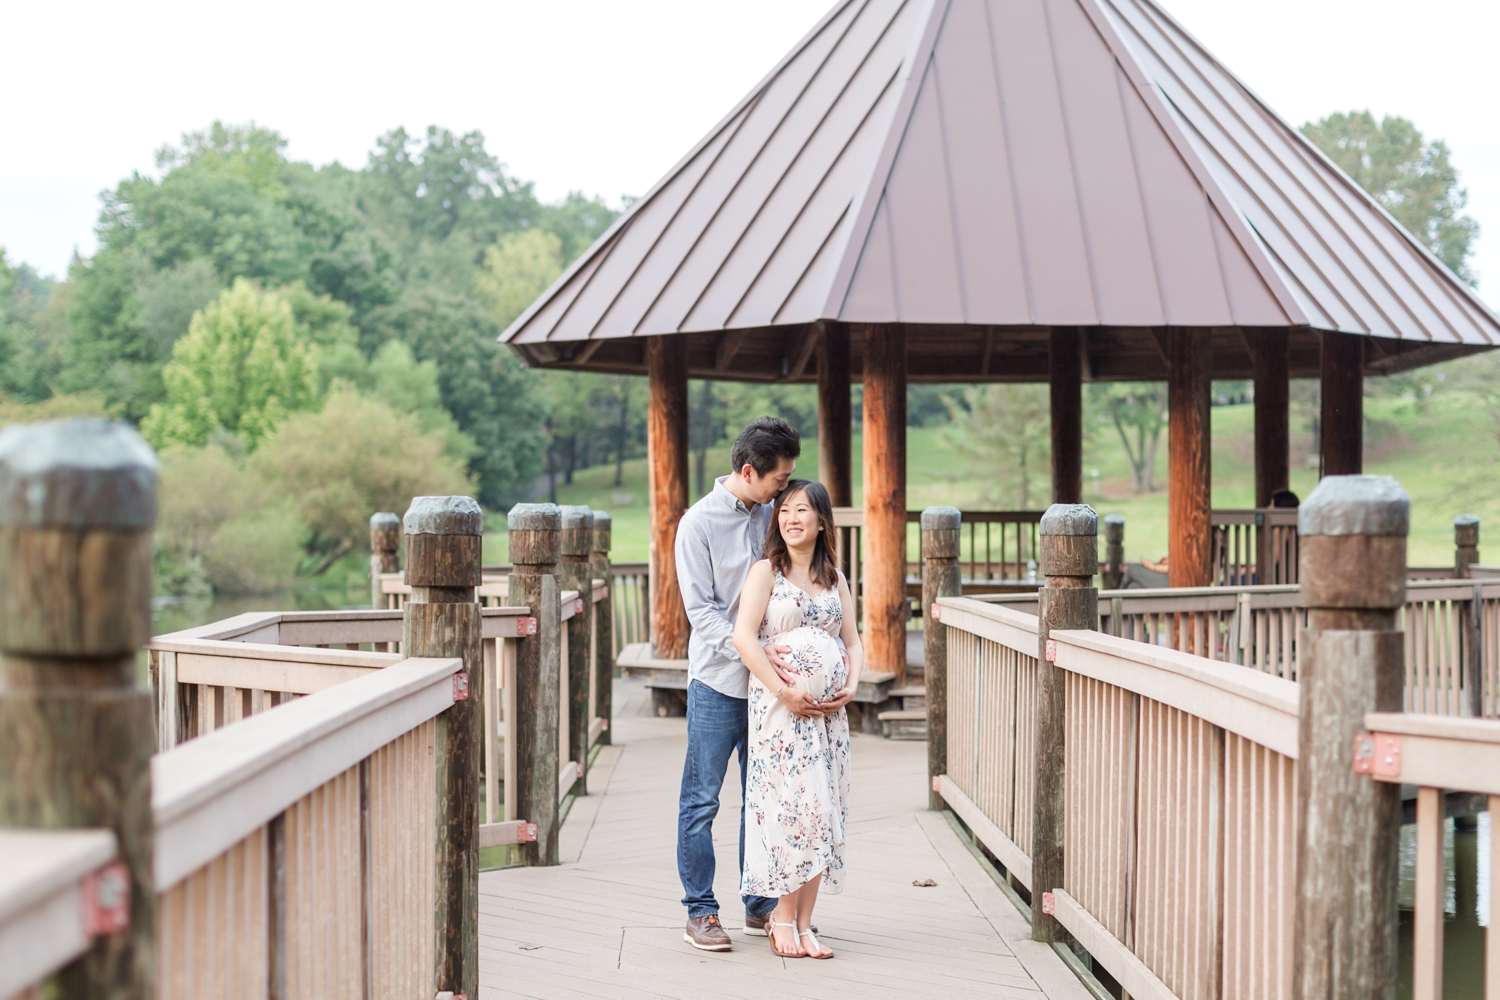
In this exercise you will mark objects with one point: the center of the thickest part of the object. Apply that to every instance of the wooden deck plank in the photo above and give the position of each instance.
(608, 922)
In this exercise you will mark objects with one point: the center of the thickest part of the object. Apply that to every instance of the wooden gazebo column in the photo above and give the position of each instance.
(667, 466)
(885, 498)
(834, 417)
(1268, 354)
(1065, 373)
(1343, 403)
(1189, 382)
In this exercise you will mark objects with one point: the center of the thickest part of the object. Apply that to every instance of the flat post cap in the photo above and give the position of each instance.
(444, 516)
(1356, 505)
(942, 518)
(1114, 519)
(574, 516)
(602, 519)
(78, 474)
(534, 517)
(384, 521)
(1070, 519)
(1465, 520)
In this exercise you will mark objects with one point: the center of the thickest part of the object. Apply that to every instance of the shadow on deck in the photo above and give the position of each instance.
(608, 922)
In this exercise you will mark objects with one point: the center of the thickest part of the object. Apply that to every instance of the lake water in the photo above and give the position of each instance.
(173, 615)
(1467, 856)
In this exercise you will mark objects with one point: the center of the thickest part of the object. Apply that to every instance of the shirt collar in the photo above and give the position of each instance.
(727, 498)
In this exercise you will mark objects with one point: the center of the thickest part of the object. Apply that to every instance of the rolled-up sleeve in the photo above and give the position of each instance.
(695, 575)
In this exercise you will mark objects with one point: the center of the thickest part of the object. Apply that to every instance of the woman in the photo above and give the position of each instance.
(797, 793)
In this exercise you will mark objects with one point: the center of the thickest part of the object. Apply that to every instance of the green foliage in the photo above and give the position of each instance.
(356, 456)
(518, 269)
(1005, 429)
(1138, 413)
(242, 368)
(220, 528)
(1414, 180)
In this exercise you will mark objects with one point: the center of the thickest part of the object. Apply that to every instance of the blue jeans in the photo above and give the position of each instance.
(717, 724)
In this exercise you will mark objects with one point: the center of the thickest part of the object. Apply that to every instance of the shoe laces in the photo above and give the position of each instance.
(713, 918)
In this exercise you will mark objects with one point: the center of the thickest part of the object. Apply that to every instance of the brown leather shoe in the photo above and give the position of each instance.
(707, 934)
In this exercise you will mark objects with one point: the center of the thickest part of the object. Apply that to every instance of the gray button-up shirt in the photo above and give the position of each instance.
(718, 540)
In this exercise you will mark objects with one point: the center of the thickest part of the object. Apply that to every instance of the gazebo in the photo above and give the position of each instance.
(1000, 190)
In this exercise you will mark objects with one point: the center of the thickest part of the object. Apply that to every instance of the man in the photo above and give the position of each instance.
(718, 540)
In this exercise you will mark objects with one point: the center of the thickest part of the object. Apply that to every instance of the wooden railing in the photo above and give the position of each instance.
(1440, 755)
(1257, 546)
(1451, 627)
(212, 676)
(294, 848)
(1180, 804)
(58, 890)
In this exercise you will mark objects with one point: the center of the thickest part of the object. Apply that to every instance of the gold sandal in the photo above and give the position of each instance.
(771, 926)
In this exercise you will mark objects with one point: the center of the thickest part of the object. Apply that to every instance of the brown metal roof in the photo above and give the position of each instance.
(983, 170)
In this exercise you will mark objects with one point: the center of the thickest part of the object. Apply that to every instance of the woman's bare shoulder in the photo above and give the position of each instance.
(760, 572)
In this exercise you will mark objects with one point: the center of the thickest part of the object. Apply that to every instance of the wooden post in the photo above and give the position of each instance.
(1065, 373)
(77, 506)
(667, 463)
(835, 421)
(441, 618)
(1190, 539)
(940, 578)
(604, 626)
(1343, 403)
(1112, 574)
(885, 499)
(1465, 544)
(1069, 544)
(534, 550)
(1268, 357)
(1352, 567)
(575, 573)
(385, 543)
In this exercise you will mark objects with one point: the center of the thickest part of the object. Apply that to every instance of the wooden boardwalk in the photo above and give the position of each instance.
(608, 922)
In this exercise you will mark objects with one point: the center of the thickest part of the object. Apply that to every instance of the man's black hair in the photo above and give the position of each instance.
(763, 443)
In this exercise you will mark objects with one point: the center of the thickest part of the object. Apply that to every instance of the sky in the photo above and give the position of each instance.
(602, 97)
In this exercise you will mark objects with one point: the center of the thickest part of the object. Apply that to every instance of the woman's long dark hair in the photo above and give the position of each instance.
(825, 558)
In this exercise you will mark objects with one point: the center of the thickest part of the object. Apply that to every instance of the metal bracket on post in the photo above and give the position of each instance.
(1051, 650)
(461, 686)
(937, 784)
(937, 613)
(106, 900)
(525, 626)
(526, 833)
(578, 606)
(1379, 756)
(1049, 903)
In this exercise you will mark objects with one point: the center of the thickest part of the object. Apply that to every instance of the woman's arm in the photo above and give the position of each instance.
(853, 647)
(754, 597)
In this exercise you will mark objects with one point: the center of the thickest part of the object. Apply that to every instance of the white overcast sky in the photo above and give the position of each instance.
(601, 96)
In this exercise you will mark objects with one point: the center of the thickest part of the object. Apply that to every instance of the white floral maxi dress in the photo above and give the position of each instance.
(797, 789)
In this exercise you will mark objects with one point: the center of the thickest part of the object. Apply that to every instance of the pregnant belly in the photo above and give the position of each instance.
(817, 661)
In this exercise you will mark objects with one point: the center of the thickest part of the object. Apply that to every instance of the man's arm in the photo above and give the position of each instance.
(695, 577)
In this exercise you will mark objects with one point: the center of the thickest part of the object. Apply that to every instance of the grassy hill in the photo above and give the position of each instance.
(1443, 451)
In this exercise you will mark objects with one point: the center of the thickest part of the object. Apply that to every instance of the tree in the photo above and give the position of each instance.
(241, 368)
(518, 269)
(355, 456)
(1007, 429)
(1138, 411)
(1412, 179)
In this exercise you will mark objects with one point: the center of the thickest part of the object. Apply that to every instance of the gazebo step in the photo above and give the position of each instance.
(904, 725)
(913, 697)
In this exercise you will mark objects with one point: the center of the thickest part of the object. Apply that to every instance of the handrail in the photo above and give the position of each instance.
(48, 885)
(210, 793)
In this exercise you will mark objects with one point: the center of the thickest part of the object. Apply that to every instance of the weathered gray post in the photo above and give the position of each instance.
(77, 506)
(1113, 570)
(1352, 567)
(1070, 557)
(534, 549)
(940, 578)
(604, 626)
(385, 544)
(575, 573)
(442, 618)
(1465, 544)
